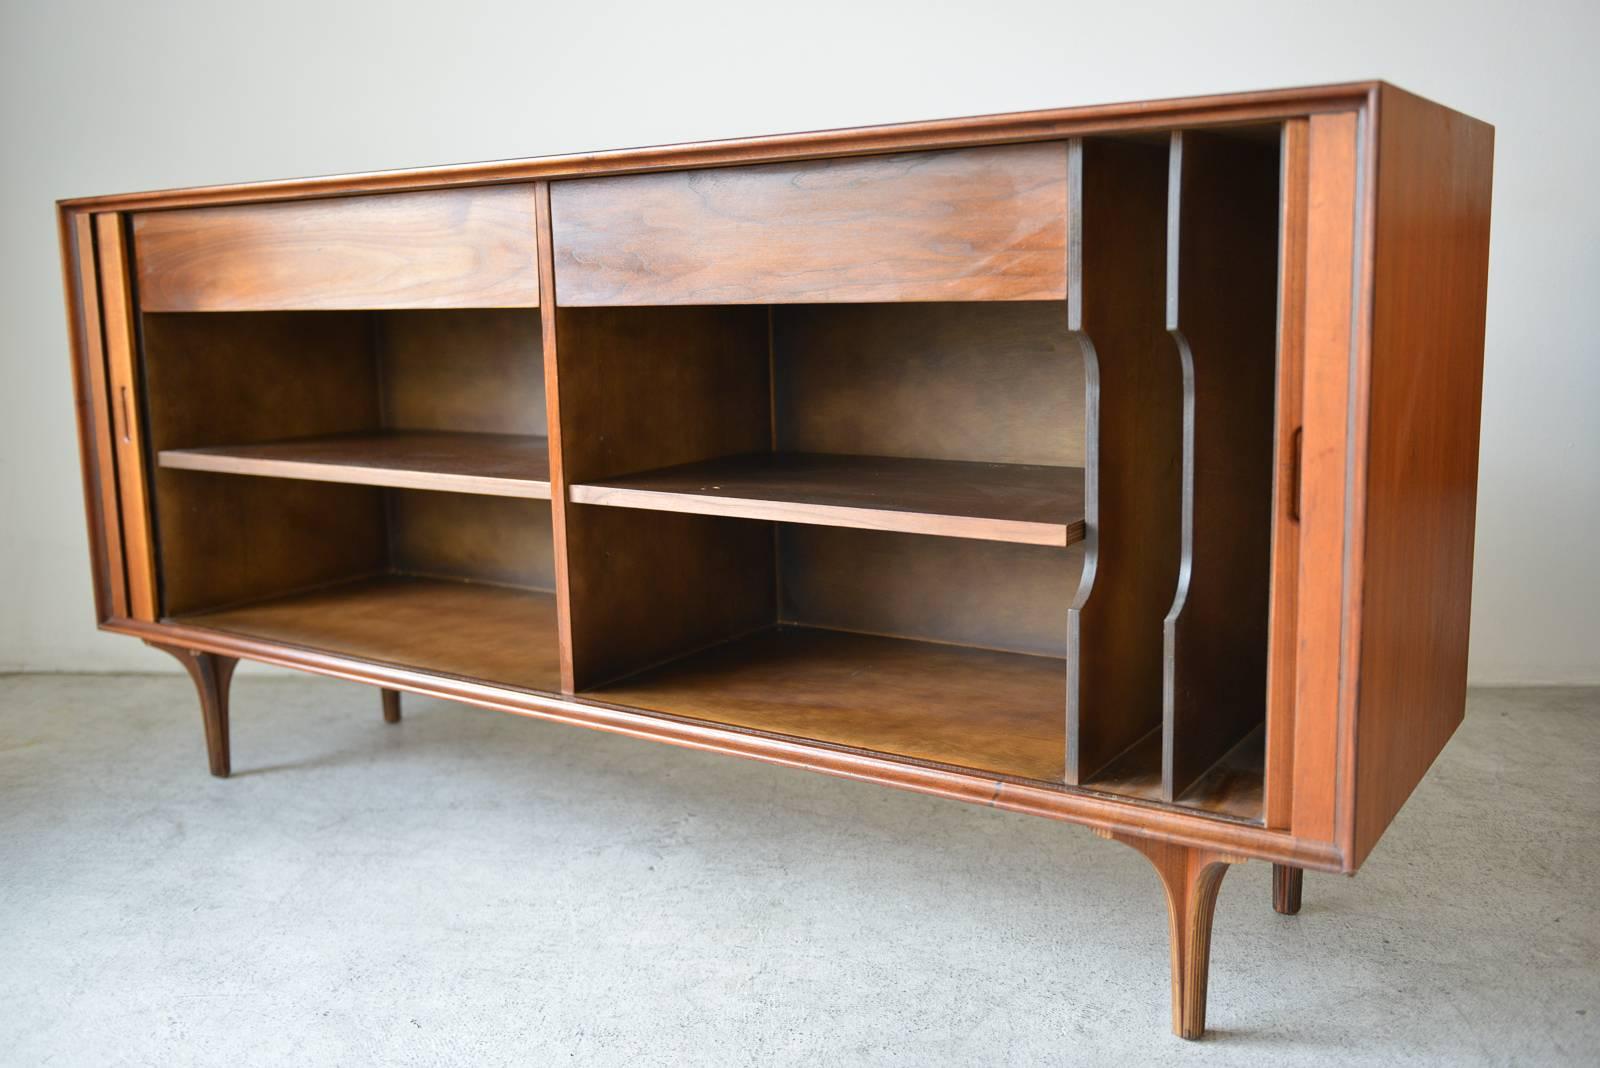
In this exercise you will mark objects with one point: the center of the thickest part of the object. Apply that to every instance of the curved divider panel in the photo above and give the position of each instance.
(1222, 293)
(1116, 275)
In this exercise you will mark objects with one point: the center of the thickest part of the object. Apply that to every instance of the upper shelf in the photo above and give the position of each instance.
(500, 465)
(1030, 505)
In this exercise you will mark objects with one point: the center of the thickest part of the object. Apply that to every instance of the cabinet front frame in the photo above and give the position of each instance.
(1313, 833)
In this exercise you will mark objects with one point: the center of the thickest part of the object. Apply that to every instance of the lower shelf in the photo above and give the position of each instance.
(995, 712)
(492, 633)
(990, 711)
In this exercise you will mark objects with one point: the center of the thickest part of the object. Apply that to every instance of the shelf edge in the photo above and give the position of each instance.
(977, 528)
(352, 474)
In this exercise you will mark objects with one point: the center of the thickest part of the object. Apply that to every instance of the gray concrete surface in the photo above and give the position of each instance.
(472, 888)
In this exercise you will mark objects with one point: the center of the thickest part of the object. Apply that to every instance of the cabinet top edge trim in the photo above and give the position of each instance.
(1004, 128)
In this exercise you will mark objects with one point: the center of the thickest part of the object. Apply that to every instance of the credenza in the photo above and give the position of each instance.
(1113, 464)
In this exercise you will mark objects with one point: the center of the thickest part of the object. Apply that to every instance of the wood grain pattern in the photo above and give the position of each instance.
(126, 401)
(992, 595)
(1430, 282)
(464, 629)
(991, 382)
(95, 433)
(1019, 503)
(1281, 644)
(501, 465)
(1190, 879)
(212, 676)
(1222, 297)
(1132, 499)
(1332, 162)
(997, 712)
(975, 224)
(432, 249)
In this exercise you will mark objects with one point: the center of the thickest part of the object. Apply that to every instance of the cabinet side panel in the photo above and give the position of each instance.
(1430, 276)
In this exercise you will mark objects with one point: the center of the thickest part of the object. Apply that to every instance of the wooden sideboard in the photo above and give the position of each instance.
(1113, 464)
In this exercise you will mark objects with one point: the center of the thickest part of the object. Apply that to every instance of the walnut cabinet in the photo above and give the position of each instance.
(1112, 464)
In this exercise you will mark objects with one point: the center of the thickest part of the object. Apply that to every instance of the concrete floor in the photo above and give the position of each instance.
(473, 888)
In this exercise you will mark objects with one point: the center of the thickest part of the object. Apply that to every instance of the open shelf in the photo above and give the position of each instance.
(474, 630)
(1024, 503)
(501, 465)
(992, 711)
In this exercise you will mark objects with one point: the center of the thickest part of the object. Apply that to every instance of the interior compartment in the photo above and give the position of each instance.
(939, 649)
(1051, 451)
(933, 627)
(1222, 313)
(397, 446)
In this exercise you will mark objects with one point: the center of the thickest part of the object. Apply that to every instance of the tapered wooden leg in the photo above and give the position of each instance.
(1191, 878)
(391, 706)
(211, 674)
(1286, 888)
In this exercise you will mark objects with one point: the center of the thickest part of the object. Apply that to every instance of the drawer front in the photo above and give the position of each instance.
(436, 249)
(968, 224)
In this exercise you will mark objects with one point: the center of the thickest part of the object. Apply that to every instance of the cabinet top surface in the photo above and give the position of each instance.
(944, 133)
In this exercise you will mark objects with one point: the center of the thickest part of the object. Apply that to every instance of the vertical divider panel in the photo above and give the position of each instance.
(95, 431)
(1294, 207)
(1116, 276)
(552, 402)
(635, 388)
(1222, 296)
(122, 360)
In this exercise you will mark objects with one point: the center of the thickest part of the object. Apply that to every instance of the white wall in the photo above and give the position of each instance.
(116, 96)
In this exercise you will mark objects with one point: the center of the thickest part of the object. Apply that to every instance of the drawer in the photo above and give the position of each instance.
(967, 224)
(436, 249)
